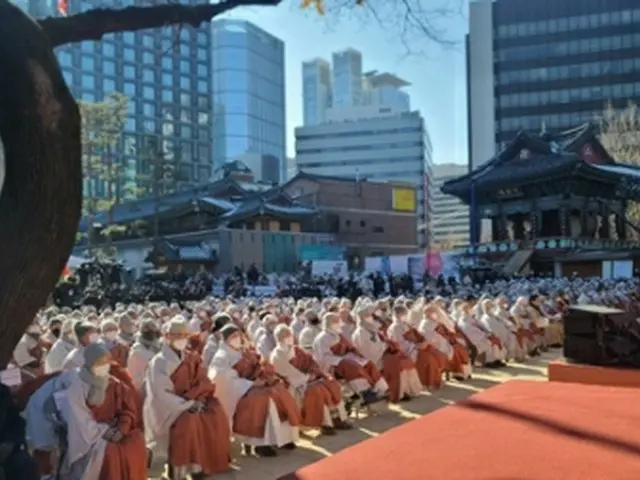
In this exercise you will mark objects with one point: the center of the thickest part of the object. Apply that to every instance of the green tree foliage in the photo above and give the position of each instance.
(102, 125)
(620, 136)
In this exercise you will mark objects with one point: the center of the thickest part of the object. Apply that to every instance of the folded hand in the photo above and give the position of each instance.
(116, 436)
(197, 407)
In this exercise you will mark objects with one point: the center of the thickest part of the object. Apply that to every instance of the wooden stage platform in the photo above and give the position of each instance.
(561, 371)
(516, 431)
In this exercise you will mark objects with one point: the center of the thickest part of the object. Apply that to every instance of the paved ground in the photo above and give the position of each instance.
(312, 448)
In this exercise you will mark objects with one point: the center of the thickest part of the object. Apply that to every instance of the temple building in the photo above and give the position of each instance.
(556, 203)
(234, 222)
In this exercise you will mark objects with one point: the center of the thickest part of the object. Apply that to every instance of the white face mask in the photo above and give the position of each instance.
(33, 329)
(235, 343)
(288, 341)
(335, 328)
(102, 370)
(111, 335)
(93, 337)
(179, 345)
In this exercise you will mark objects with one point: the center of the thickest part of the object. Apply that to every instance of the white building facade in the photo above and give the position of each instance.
(335, 90)
(450, 223)
(380, 143)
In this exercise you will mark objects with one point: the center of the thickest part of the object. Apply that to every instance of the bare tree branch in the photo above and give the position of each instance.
(95, 24)
(409, 22)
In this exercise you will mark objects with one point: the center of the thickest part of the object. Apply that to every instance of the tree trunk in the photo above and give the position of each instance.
(40, 202)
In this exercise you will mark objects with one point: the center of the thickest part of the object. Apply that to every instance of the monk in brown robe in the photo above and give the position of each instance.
(337, 356)
(319, 395)
(119, 351)
(181, 411)
(104, 435)
(265, 414)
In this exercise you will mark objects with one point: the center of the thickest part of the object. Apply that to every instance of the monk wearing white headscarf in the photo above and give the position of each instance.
(338, 357)
(398, 369)
(183, 419)
(318, 395)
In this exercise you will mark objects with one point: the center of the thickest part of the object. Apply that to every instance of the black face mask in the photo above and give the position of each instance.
(150, 335)
(55, 332)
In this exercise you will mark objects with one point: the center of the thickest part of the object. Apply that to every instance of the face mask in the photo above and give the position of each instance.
(179, 345)
(235, 343)
(93, 337)
(288, 341)
(111, 335)
(33, 330)
(102, 370)
(335, 328)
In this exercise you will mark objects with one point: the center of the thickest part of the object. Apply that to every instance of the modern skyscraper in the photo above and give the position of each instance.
(549, 64)
(165, 73)
(248, 93)
(316, 90)
(347, 78)
(333, 91)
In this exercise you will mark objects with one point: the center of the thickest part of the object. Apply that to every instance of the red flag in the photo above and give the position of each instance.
(63, 7)
(66, 272)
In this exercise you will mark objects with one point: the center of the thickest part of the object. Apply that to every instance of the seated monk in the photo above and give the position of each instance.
(318, 395)
(430, 363)
(446, 340)
(200, 326)
(338, 357)
(183, 420)
(42, 417)
(119, 351)
(263, 412)
(397, 368)
(104, 439)
(29, 354)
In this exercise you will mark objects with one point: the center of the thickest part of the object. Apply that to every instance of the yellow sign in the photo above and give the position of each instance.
(404, 199)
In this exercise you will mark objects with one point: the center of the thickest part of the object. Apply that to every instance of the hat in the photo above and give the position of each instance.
(93, 352)
(228, 330)
(176, 325)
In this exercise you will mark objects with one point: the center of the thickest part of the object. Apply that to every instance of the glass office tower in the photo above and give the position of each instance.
(248, 93)
(164, 72)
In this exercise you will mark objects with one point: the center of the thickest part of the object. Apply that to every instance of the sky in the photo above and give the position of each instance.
(436, 74)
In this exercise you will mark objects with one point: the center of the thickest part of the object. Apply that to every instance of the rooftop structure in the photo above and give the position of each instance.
(549, 193)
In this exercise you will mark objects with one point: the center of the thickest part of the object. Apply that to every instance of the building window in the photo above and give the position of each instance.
(378, 229)
(363, 223)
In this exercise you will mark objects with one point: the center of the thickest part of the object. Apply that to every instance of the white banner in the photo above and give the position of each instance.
(335, 268)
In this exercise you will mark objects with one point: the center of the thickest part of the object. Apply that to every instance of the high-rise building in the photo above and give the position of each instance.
(332, 91)
(450, 223)
(165, 74)
(393, 146)
(347, 78)
(316, 86)
(547, 65)
(248, 93)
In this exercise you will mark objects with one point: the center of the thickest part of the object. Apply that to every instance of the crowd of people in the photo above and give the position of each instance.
(105, 388)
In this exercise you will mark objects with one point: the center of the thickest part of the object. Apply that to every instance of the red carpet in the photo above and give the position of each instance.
(516, 431)
(591, 375)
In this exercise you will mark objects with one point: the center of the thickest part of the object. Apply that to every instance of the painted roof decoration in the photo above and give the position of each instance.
(533, 157)
(226, 198)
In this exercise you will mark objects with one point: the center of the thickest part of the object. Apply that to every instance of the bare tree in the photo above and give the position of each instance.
(620, 136)
(41, 196)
